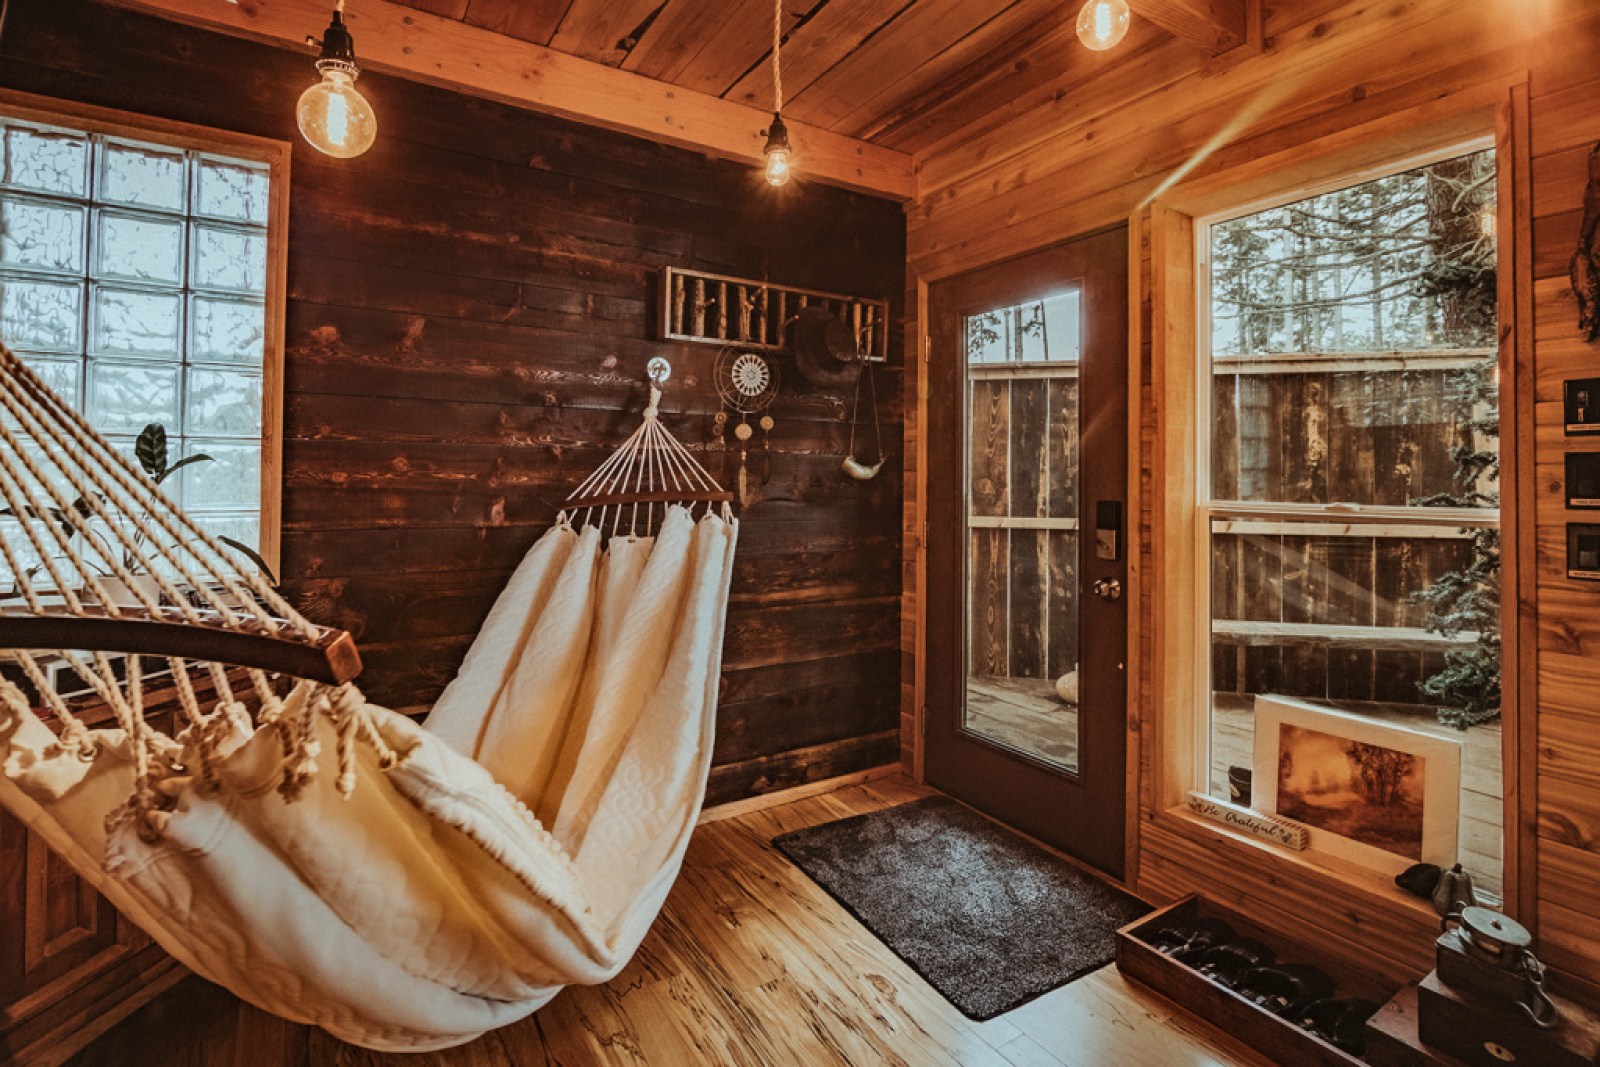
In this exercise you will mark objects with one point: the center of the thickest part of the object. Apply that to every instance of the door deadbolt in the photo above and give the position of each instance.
(1107, 588)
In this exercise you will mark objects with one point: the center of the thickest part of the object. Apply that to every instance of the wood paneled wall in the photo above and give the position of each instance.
(471, 306)
(1562, 123)
(1048, 154)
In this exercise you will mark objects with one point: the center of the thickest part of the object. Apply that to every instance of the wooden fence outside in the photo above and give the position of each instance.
(1322, 611)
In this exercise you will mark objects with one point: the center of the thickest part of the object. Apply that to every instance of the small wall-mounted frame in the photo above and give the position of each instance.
(1583, 480)
(717, 309)
(1581, 401)
(1583, 551)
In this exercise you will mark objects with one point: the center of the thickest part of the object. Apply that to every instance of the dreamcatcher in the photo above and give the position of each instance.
(747, 383)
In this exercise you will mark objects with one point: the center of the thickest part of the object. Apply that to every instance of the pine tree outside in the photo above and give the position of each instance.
(1353, 494)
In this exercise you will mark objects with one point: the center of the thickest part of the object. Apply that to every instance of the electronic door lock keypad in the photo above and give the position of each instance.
(1108, 530)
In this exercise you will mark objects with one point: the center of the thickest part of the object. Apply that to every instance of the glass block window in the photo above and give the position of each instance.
(133, 277)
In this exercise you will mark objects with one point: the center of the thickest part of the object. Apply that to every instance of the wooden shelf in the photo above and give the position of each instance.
(719, 309)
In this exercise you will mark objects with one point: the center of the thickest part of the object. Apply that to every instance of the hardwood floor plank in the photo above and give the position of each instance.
(1024, 1051)
(751, 964)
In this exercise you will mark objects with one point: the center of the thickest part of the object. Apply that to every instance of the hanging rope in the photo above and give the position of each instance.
(777, 55)
(651, 472)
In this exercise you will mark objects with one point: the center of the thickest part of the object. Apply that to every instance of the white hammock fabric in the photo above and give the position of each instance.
(452, 877)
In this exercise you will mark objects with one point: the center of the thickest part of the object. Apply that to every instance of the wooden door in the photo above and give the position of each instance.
(71, 966)
(1027, 543)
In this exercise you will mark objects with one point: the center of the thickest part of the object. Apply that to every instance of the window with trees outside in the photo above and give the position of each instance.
(134, 278)
(1350, 510)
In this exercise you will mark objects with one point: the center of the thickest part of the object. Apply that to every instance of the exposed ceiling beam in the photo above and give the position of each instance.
(1214, 25)
(440, 51)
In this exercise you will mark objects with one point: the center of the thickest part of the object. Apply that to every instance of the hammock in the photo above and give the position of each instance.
(437, 881)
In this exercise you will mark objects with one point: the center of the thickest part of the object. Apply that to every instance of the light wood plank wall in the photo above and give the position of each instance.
(1080, 152)
(1563, 123)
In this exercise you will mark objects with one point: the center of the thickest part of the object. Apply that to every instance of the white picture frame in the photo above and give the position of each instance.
(1437, 765)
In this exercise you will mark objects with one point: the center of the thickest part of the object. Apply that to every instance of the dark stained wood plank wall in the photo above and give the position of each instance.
(470, 311)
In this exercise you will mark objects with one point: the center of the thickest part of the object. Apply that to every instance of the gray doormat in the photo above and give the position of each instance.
(989, 919)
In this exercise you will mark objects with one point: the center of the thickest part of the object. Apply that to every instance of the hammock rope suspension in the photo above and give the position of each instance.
(79, 511)
(650, 472)
(92, 470)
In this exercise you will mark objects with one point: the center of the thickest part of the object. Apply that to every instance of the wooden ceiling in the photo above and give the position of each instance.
(886, 71)
(872, 88)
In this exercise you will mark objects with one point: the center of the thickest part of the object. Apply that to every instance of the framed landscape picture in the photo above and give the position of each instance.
(1381, 796)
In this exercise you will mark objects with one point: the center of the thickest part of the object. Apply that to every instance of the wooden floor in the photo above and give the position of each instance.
(1025, 714)
(750, 964)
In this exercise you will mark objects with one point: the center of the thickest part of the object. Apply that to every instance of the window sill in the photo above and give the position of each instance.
(1273, 862)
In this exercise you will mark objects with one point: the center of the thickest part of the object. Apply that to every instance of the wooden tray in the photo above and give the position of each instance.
(1277, 1038)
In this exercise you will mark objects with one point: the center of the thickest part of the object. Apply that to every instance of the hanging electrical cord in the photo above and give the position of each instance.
(777, 55)
(777, 151)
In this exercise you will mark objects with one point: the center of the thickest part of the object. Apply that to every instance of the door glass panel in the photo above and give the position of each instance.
(1022, 527)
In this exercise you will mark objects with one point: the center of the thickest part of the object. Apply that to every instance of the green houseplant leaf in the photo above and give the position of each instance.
(252, 555)
(151, 450)
(198, 457)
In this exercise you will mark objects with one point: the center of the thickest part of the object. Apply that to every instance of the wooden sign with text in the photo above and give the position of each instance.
(1278, 831)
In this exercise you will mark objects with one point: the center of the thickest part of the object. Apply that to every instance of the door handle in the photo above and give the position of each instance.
(1107, 588)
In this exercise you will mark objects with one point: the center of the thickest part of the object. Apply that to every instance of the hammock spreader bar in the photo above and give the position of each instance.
(331, 658)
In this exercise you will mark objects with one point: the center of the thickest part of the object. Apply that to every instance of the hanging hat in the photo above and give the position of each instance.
(825, 348)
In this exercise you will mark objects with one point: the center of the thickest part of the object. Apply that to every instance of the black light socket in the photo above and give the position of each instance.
(338, 46)
(777, 135)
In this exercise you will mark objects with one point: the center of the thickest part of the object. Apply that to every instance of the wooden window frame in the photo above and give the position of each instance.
(1177, 674)
(275, 155)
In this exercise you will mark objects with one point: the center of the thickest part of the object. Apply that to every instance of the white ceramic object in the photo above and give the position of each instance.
(1067, 687)
(118, 593)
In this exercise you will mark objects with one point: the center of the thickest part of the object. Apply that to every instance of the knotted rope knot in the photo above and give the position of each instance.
(236, 715)
(204, 737)
(348, 700)
(269, 714)
(299, 768)
(12, 704)
(300, 745)
(271, 708)
(146, 806)
(347, 719)
(653, 408)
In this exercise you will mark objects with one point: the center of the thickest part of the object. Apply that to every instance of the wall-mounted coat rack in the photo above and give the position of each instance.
(715, 309)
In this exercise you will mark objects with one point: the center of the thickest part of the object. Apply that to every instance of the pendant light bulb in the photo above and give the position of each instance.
(1102, 24)
(334, 118)
(778, 153)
